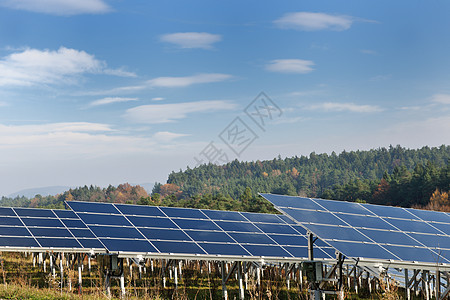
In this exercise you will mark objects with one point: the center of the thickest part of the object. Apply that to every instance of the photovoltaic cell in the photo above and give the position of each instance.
(30, 212)
(224, 215)
(152, 222)
(224, 249)
(6, 211)
(95, 207)
(265, 218)
(164, 234)
(139, 210)
(174, 212)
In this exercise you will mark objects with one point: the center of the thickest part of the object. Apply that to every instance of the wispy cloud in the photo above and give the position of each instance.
(52, 128)
(188, 80)
(157, 98)
(110, 100)
(368, 51)
(350, 107)
(299, 66)
(33, 67)
(59, 7)
(381, 77)
(201, 40)
(166, 136)
(441, 98)
(310, 21)
(165, 113)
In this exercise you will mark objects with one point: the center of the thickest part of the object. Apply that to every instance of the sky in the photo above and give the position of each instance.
(111, 91)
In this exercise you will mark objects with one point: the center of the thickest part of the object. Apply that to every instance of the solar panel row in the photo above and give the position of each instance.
(44, 229)
(372, 231)
(142, 229)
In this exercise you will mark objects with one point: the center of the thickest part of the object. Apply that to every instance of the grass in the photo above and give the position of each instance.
(19, 291)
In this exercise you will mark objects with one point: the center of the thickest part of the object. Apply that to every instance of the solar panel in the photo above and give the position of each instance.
(166, 230)
(372, 231)
(44, 229)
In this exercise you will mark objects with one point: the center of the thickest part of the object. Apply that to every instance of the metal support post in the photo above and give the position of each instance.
(80, 282)
(122, 286)
(224, 286)
(407, 290)
(241, 285)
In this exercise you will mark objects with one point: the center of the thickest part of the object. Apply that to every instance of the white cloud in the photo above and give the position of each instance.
(33, 67)
(166, 136)
(309, 21)
(157, 98)
(201, 40)
(299, 66)
(351, 107)
(51, 128)
(188, 80)
(165, 113)
(59, 7)
(110, 100)
(441, 98)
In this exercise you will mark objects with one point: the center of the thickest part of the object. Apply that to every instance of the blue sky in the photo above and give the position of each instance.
(111, 91)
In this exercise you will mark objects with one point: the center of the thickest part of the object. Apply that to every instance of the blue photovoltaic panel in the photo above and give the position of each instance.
(164, 234)
(224, 249)
(194, 231)
(140, 210)
(178, 247)
(174, 212)
(99, 219)
(237, 226)
(372, 231)
(151, 222)
(31, 212)
(318, 217)
(6, 211)
(42, 229)
(427, 215)
(264, 218)
(291, 201)
(208, 236)
(65, 214)
(196, 224)
(224, 215)
(94, 207)
(127, 245)
(276, 228)
(118, 232)
(10, 221)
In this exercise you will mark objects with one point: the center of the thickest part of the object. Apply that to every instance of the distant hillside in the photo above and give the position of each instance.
(43, 191)
(314, 175)
(123, 193)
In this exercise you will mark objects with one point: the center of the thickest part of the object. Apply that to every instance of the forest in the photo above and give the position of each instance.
(396, 176)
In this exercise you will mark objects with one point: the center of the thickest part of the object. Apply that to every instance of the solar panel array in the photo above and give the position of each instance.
(167, 230)
(372, 231)
(44, 229)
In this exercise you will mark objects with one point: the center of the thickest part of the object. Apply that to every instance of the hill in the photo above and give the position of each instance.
(307, 176)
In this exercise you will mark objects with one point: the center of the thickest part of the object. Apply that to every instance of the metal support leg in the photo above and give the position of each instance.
(122, 286)
(241, 285)
(108, 285)
(407, 290)
(224, 285)
(80, 282)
